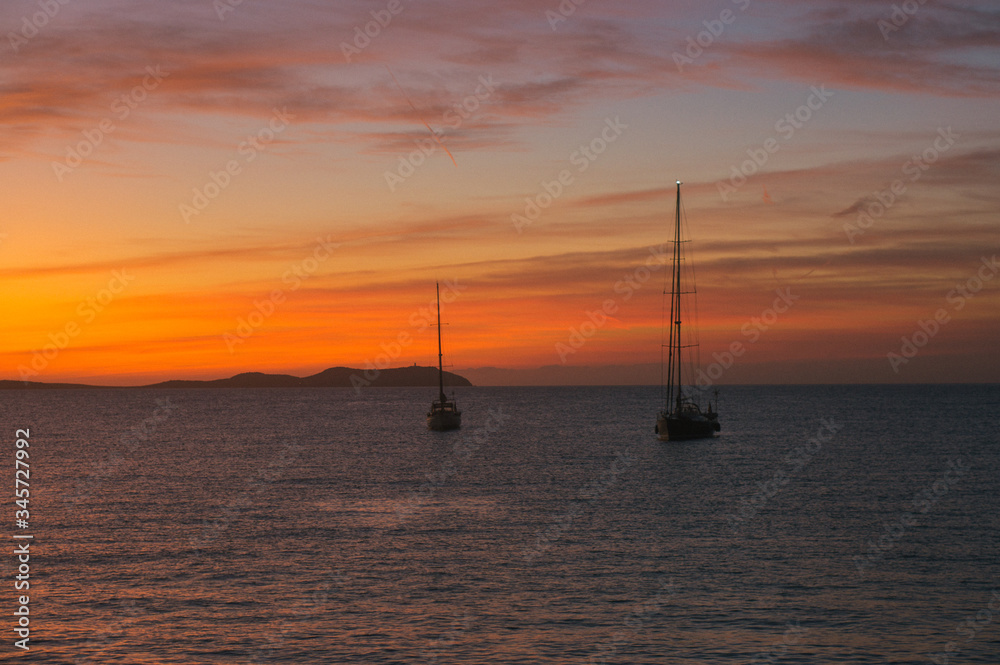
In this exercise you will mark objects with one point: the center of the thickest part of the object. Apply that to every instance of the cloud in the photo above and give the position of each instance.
(842, 46)
(856, 207)
(289, 54)
(287, 252)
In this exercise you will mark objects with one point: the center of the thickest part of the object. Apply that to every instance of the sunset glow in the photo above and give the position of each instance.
(196, 189)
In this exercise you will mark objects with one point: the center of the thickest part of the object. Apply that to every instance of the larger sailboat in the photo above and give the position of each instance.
(681, 417)
(444, 414)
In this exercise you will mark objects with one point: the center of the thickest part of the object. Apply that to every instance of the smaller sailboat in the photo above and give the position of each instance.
(681, 417)
(444, 414)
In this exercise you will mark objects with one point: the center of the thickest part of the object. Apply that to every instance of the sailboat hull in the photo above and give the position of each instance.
(443, 416)
(685, 427)
(442, 420)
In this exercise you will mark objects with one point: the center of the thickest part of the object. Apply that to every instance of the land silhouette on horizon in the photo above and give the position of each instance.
(335, 377)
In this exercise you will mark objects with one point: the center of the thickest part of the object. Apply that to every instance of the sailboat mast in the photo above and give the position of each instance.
(437, 287)
(670, 336)
(677, 290)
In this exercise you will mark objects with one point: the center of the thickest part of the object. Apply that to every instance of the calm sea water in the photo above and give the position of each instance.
(824, 525)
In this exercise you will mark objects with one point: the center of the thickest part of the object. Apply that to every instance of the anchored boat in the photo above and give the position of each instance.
(444, 414)
(681, 417)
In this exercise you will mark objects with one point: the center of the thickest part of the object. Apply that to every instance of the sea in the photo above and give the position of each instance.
(824, 524)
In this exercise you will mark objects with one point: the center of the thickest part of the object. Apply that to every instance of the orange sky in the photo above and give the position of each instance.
(191, 196)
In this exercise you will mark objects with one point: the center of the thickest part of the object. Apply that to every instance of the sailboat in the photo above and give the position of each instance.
(681, 417)
(444, 414)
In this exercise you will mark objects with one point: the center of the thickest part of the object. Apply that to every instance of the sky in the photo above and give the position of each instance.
(199, 188)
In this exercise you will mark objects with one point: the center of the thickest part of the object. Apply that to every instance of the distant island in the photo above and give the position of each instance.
(335, 377)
